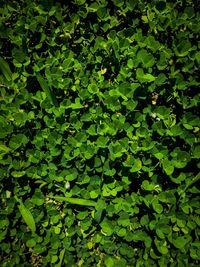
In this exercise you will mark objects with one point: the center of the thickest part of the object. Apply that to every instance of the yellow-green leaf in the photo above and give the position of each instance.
(76, 201)
(27, 215)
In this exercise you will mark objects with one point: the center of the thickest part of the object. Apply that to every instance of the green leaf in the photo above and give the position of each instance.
(76, 201)
(4, 67)
(118, 3)
(161, 79)
(124, 219)
(17, 140)
(160, 233)
(146, 58)
(168, 166)
(17, 174)
(27, 215)
(137, 165)
(176, 130)
(144, 77)
(183, 48)
(54, 258)
(94, 194)
(61, 257)
(31, 243)
(181, 241)
(147, 186)
(196, 152)
(109, 261)
(180, 158)
(130, 63)
(93, 88)
(77, 104)
(4, 148)
(116, 150)
(47, 90)
(38, 198)
(162, 246)
(197, 56)
(101, 12)
(121, 232)
(157, 207)
(191, 182)
(100, 206)
(102, 141)
(162, 112)
(107, 227)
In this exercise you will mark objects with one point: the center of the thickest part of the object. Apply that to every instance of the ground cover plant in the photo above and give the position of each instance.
(99, 133)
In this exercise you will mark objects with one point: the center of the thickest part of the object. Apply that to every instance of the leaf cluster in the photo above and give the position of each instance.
(99, 133)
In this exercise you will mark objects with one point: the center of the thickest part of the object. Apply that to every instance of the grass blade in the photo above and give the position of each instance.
(47, 90)
(62, 253)
(76, 201)
(4, 67)
(26, 215)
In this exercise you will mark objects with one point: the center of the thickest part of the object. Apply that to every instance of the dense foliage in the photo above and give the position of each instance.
(99, 133)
